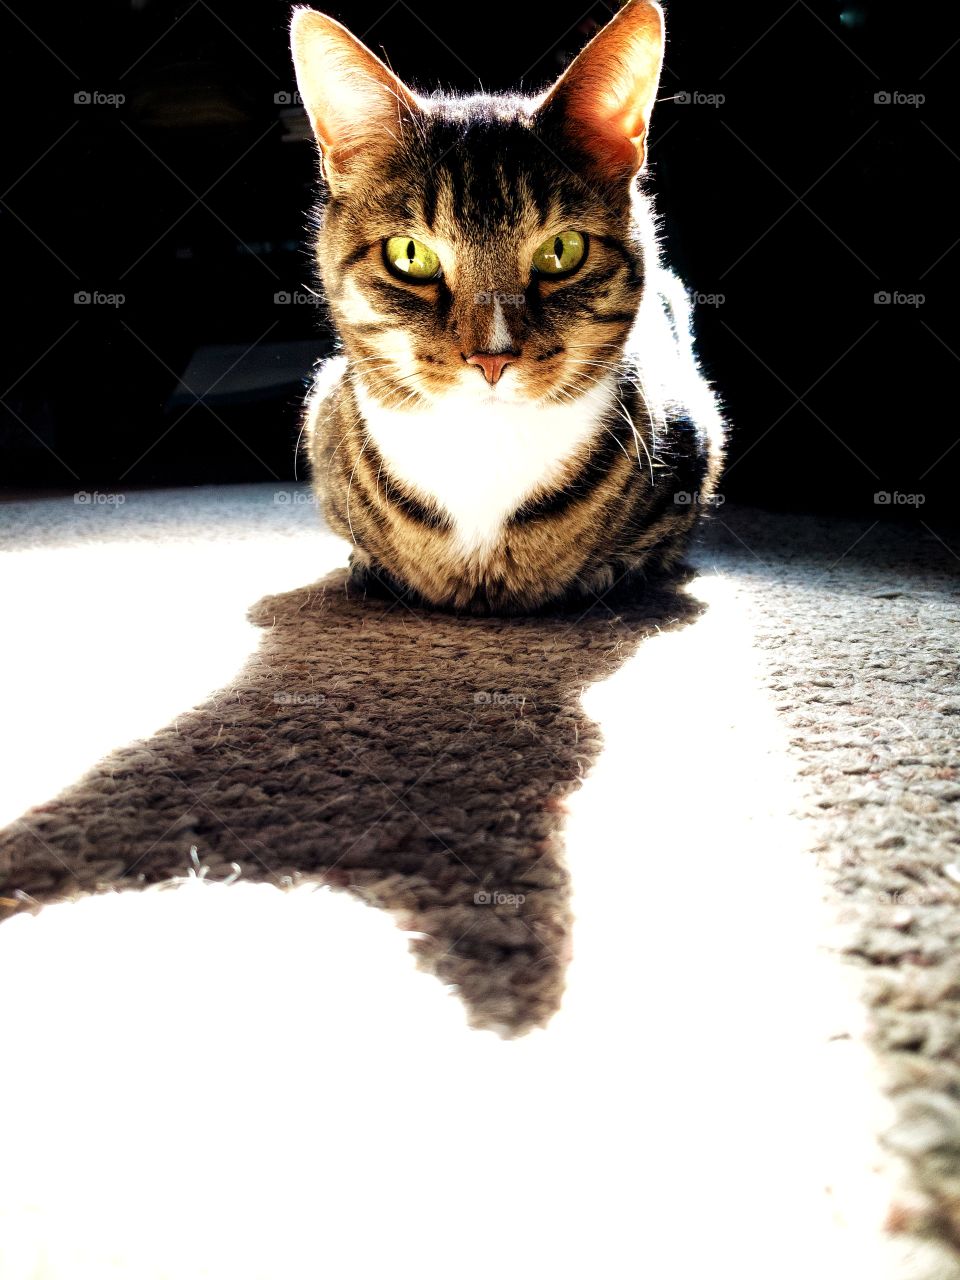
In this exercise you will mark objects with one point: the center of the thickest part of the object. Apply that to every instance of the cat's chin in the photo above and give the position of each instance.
(493, 401)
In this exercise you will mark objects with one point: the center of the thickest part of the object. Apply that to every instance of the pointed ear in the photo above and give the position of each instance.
(355, 103)
(602, 102)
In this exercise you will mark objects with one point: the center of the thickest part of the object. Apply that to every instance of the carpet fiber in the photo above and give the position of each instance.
(432, 765)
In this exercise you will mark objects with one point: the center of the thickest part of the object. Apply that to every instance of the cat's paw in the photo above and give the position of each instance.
(367, 577)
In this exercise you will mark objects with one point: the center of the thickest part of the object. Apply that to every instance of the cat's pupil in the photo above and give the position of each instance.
(558, 248)
(411, 251)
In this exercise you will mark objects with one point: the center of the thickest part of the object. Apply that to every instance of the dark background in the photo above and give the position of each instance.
(791, 198)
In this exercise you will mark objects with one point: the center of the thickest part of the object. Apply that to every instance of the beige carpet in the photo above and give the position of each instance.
(660, 790)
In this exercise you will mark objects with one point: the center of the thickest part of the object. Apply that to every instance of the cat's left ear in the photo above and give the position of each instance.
(356, 105)
(603, 101)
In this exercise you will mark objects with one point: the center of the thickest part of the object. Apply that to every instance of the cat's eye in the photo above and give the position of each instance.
(410, 259)
(561, 254)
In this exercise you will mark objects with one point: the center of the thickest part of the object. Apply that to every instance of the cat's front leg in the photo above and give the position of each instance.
(368, 576)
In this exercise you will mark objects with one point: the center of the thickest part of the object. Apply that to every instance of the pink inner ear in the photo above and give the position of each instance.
(616, 148)
(607, 93)
(608, 125)
(354, 101)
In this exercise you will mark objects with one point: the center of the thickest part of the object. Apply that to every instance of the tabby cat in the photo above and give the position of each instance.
(516, 415)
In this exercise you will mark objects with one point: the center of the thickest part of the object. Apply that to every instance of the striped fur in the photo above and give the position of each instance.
(593, 455)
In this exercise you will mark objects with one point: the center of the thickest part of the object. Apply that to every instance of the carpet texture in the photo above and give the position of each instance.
(424, 763)
(861, 630)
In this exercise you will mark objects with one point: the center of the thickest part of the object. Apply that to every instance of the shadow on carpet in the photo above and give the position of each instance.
(417, 759)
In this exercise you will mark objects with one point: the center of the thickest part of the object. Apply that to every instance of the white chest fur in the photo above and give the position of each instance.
(479, 459)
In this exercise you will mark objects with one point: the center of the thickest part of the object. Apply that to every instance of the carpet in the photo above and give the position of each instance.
(722, 815)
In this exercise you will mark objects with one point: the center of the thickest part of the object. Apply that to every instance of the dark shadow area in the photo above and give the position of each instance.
(417, 759)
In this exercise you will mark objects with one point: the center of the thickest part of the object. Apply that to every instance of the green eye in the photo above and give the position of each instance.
(410, 259)
(561, 254)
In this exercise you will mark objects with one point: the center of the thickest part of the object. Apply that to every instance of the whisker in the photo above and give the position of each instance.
(350, 486)
(638, 439)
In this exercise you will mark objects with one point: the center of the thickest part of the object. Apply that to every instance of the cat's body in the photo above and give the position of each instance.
(497, 436)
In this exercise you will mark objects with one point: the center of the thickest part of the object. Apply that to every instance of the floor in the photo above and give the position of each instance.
(677, 881)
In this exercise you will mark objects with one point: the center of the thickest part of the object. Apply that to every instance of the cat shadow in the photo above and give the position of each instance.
(418, 759)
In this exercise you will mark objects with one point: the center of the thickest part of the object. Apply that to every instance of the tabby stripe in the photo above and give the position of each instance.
(688, 479)
(597, 466)
(660, 501)
(399, 496)
(429, 204)
(596, 278)
(378, 328)
(401, 300)
(354, 256)
(355, 497)
(654, 536)
(631, 258)
(612, 317)
(444, 302)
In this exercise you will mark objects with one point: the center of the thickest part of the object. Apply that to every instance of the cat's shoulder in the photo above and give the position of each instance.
(327, 378)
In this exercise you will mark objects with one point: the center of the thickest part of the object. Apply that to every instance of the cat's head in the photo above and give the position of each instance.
(488, 247)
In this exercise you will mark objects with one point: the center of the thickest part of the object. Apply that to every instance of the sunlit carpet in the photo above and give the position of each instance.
(681, 877)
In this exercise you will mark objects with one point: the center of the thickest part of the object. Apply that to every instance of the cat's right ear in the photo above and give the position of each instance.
(355, 103)
(602, 103)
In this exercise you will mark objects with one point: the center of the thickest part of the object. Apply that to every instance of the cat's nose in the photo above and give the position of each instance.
(493, 363)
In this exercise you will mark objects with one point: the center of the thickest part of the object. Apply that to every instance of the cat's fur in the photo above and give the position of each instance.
(594, 453)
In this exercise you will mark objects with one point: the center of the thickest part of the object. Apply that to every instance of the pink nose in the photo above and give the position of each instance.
(492, 365)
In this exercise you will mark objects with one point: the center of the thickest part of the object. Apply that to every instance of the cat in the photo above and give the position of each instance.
(516, 416)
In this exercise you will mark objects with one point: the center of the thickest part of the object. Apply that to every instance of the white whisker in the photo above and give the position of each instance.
(350, 486)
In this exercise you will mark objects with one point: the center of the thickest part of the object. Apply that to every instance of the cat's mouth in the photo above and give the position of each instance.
(493, 400)
(500, 397)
